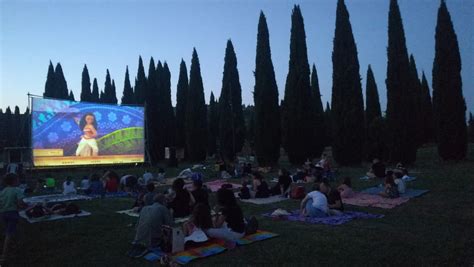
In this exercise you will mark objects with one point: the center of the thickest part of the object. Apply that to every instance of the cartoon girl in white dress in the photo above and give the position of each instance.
(88, 145)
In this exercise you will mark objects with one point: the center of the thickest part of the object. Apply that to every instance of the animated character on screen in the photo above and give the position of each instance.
(88, 145)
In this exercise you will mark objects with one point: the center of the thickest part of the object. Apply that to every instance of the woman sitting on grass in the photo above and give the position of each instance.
(315, 204)
(283, 185)
(260, 186)
(69, 187)
(201, 219)
(391, 189)
(181, 200)
(345, 189)
(334, 198)
(111, 182)
(96, 187)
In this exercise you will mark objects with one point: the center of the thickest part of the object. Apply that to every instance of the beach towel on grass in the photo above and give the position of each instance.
(347, 216)
(261, 201)
(55, 198)
(409, 192)
(369, 200)
(53, 217)
(210, 248)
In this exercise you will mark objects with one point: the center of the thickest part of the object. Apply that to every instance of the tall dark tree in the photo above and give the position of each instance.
(181, 97)
(9, 131)
(372, 103)
(400, 102)
(213, 123)
(196, 114)
(415, 90)
(154, 129)
(319, 134)
(86, 94)
(127, 97)
(377, 143)
(168, 112)
(15, 128)
(108, 90)
(49, 87)
(427, 111)
(448, 102)
(71, 96)
(231, 123)
(250, 126)
(140, 83)
(95, 97)
(61, 91)
(328, 123)
(471, 128)
(3, 130)
(102, 97)
(267, 112)
(297, 123)
(347, 102)
(152, 80)
(113, 93)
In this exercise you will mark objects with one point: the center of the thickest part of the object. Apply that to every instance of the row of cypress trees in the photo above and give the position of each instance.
(300, 124)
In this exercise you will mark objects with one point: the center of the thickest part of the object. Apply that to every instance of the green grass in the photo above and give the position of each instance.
(435, 229)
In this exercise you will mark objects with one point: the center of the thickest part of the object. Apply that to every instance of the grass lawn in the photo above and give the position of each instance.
(434, 229)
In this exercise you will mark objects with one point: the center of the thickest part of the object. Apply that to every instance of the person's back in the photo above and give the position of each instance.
(69, 187)
(180, 204)
(201, 196)
(400, 183)
(262, 190)
(96, 187)
(85, 183)
(9, 198)
(319, 200)
(111, 186)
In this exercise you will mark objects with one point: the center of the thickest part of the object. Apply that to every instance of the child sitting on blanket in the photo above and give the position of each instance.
(399, 182)
(345, 189)
(11, 199)
(181, 202)
(315, 204)
(69, 187)
(260, 186)
(333, 197)
(391, 189)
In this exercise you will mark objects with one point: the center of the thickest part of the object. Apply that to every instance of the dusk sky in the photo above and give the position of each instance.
(112, 34)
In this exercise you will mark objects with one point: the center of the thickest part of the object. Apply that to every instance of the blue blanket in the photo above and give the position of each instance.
(409, 193)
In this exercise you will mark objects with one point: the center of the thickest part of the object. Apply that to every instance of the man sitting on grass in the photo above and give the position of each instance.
(148, 234)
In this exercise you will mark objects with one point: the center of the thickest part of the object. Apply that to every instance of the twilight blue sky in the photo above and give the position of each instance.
(112, 34)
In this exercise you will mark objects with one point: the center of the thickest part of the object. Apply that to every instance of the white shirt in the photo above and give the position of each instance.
(69, 189)
(319, 200)
(401, 185)
(147, 177)
(85, 184)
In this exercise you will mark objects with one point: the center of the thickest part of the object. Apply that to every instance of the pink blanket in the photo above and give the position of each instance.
(368, 200)
(215, 185)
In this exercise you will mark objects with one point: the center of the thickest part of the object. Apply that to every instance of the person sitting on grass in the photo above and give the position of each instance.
(333, 197)
(229, 223)
(85, 183)
(315, 204)
(377, 170)
(401, 186)
(283, 185)
(11, 198)
(50, 183)
(69, 187)
(390, 188)
(129, 183)
(96, 187)
(345, 189)
(201, 196)
(201, 220)
(148, 232)
(149, 196)
(260, 186)
(111, 182)
(180, 204)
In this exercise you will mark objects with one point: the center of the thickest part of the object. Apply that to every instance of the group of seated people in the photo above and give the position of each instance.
(322, 201)
(394, 180)
(314, 170)
(259, 188)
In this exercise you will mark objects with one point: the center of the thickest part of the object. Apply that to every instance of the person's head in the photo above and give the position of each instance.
(113, 175)
(10, 179)
(178, 184)
(197, 184)
(159, 198)
(150, 187)
(347, 181)
(257, 176)
(283, 172)
(226, 198)
(68, 180)
(88, 119)
(324, 186)
(376, 160)
(202, 216)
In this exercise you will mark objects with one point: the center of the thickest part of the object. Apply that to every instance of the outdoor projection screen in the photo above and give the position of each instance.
(67, 133)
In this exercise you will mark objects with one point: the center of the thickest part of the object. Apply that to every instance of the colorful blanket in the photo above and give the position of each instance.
(210, 248)
(262, 201)
(55, 198)
(52, 217)
(347, 216)
(409, 193)
(369, 200)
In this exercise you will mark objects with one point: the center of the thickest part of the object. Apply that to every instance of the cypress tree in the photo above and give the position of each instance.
(49, 87)
(71, 96)
(417, 102)
(297, 122)
(213, 126)
(154, 129)
(61, 91)
(267, 136)
(250, 126)
(328, 124)
(152, 81)
(400, 105)
(113, 93)
(347, 103)
(196, 117)
(448, 102)
(372, 99)
(86, 94)
(471, 128)
(127, 97)
(160, 115)
(165, 96)
(108, 90)
(3, 129)
(181, 97)
(319, 133)
(102, 97)
(9, 131)
(231, 123)
(427, 111)
(377, 143)
(16, 128)
(95, 92)
(140, 83)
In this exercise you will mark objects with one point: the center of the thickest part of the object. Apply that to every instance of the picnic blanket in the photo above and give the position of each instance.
(262, 201)
(52, 217)
(409, 192)
(369, 200)
(347, 216)
(132, 213)
(55, 198)
(210, 248)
